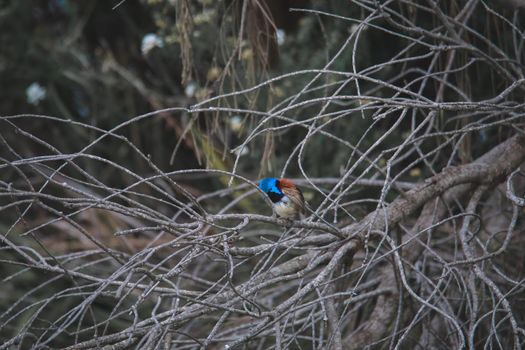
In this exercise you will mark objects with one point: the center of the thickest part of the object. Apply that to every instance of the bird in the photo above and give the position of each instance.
(288, 201)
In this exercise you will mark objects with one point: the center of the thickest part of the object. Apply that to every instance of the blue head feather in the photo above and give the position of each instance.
(269, 184)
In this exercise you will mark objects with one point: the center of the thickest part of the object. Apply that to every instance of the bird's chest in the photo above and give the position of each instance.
(285, 208)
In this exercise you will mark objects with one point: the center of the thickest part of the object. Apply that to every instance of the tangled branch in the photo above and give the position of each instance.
(411, 166)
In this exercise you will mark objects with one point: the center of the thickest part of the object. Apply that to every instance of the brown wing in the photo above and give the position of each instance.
(294, 193)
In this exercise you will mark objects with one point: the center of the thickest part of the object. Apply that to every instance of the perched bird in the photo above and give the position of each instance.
(288, 201)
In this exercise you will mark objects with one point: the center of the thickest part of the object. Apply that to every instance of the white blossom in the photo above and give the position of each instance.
(236, 123)
(241, 151)
(280, 36)
(150, 41)
(190, 89)
(35, 93)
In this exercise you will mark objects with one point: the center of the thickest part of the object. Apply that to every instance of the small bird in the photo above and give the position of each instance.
(288, 201)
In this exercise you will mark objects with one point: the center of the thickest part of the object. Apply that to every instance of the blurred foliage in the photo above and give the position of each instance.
(96, 66)
(88, 58)
(103, 63)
